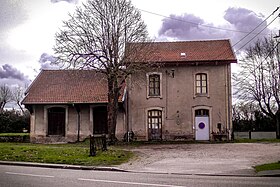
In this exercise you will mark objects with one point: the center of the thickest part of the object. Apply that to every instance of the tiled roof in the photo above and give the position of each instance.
(68, 86)
(185, 51)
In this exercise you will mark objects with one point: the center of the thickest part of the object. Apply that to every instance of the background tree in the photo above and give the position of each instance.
(5, 96)
(259, 80)
(17, 96)
(243, 116)
(248, 116)
(13, 121)
(95, 37)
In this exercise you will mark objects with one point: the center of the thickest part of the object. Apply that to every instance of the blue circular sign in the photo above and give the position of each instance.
(201, 125)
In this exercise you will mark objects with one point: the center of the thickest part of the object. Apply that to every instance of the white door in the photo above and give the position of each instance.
(202, 128)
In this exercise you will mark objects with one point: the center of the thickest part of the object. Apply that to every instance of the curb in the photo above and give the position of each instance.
(275, 173)
(195, 174)
(269, 173)
(60, 166)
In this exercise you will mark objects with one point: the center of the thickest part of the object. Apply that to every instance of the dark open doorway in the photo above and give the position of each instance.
(56, 121)
(100, 125)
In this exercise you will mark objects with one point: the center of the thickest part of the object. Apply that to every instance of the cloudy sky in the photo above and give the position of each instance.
(27, 27)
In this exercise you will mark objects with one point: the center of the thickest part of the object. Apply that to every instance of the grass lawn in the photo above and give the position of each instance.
(14, 134)
(74, 154)
(271, 166)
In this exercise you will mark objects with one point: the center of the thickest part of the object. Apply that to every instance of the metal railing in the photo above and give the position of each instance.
(97, 142)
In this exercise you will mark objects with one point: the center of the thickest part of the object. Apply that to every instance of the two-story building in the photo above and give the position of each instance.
(185, 94)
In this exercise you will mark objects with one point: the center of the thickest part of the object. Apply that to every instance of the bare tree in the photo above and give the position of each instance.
(259, 80)
(95, 37)
(17, 96)
(5, 96)
(244, 111)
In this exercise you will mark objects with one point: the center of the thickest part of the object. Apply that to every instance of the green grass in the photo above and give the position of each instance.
(14, 134)
(256, 140)
(271, 166)
(74, 154)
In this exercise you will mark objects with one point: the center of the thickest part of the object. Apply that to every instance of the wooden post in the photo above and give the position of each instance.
(92, 149)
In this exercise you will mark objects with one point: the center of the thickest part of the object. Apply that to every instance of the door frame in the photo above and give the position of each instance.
(209, 108)
(199, 128)
(147, 121)
(46, 107)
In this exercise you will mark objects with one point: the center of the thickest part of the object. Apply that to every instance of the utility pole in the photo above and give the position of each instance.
(278, 61)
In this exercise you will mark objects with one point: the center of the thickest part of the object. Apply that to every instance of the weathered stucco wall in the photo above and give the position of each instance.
(39, 124)
(178, 100)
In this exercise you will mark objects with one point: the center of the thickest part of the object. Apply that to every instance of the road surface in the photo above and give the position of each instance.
(20, 176)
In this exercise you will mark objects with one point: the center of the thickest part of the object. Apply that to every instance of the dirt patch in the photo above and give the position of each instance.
(203, 158)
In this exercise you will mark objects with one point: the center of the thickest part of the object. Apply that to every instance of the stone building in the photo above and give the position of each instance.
(185, 95)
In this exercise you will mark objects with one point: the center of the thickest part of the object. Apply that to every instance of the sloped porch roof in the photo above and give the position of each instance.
(68, 86)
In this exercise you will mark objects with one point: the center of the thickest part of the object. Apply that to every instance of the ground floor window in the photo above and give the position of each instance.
(56, 121)
(155, 124)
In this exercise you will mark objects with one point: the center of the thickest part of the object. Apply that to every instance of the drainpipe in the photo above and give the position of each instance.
(166, 95)
(127, 115)
(77, 107)
(229, 101)
(127, 107)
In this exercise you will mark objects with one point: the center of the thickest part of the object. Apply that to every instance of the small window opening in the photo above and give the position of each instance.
(183, 55)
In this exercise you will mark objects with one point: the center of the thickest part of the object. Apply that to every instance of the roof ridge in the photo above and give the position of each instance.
(67, 70)
(189, 41)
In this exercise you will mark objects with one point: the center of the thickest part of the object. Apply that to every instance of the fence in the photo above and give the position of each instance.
(15, 138)
(254, 135)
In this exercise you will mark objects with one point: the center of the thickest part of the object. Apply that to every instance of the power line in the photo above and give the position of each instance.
(257, 33)
(256, 27)
(198, 24)
(231, 30)
(259, 65)
(223, 52)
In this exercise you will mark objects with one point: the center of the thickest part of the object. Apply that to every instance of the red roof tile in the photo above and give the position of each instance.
(195, 51)
(68, 86)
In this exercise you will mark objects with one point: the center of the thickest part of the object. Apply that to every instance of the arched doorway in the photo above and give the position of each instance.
(154, 124)
(202, 128)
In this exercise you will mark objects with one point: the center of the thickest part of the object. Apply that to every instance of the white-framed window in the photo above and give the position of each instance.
(154, 119)
(154, 84)
(201, 84)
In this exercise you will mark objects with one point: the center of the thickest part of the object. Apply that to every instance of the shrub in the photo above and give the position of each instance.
(14, 121)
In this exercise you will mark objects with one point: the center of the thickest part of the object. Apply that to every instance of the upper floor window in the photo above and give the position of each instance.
(201, 83)
(154, 85)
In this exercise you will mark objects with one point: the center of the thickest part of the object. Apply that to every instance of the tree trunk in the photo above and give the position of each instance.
(19, 105)
(277, 116)
(112, 107)
(2, 105)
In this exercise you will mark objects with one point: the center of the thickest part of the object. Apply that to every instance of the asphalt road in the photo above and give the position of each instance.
(19, 176)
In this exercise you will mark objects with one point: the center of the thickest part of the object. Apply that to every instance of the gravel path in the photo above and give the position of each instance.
(225, 158)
